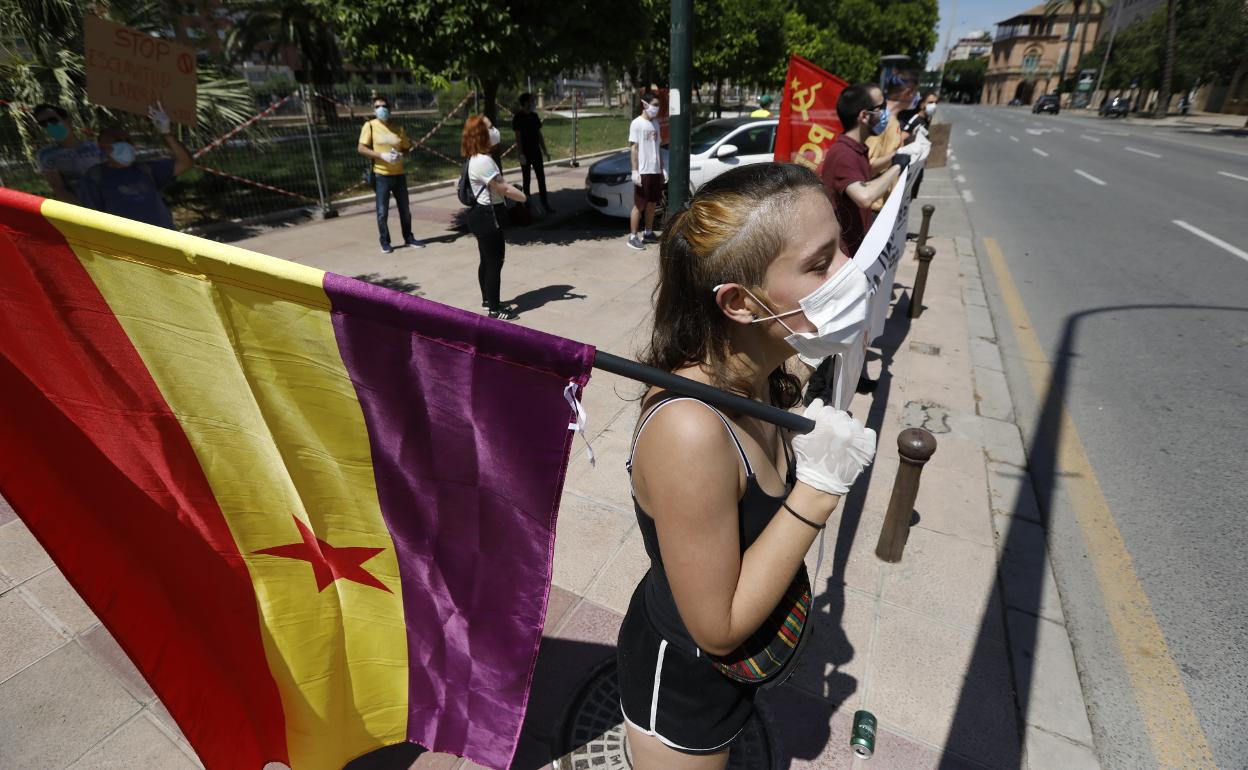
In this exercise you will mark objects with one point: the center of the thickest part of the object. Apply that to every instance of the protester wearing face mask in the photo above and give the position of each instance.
(846, 171)
(386, 143)
(488, 212)
(649, 175)
(899, 95)
(128, 187)
(921, 116)
(64, 161)
(728, 505)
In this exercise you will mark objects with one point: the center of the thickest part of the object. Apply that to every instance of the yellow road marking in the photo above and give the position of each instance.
(1178, 740)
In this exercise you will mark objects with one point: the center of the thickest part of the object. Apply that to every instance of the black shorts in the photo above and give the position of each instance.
(673, 694)
(649, 191)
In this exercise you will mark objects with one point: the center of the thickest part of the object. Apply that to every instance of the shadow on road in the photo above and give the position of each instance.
(1028, 554)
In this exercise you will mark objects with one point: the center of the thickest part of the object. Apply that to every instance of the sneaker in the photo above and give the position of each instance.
(635, 242)
(503, 314)
(415, 244)
(387, 249)
(650, 237)
(485, 304)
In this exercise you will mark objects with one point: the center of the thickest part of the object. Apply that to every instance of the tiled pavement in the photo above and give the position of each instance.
(923, 644)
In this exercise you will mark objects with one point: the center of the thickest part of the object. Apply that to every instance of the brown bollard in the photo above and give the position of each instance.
(925, 254)
(915, 445)
(928, 210)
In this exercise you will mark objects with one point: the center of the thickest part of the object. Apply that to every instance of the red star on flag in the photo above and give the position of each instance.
(329, 563)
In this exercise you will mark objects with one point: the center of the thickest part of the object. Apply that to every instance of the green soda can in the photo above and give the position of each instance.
(863, 739)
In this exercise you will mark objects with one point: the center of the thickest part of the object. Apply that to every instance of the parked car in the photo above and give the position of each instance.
(714, 147)
(1118, 106)
(1047, 103)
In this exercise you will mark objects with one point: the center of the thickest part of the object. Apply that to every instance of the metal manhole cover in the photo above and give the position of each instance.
(591, 736)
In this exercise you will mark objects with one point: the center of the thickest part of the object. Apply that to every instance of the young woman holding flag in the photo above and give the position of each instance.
(750, 274)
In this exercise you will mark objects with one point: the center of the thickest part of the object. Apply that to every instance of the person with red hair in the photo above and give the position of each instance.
(487, 213)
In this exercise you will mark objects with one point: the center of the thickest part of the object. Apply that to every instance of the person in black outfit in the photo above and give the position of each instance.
(488, 212)
(528, 128)
(727, 504)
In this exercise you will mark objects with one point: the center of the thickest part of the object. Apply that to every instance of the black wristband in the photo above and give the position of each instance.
(802, 518)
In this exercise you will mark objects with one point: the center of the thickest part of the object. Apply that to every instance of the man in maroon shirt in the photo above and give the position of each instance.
(846, 172)
(846, 175)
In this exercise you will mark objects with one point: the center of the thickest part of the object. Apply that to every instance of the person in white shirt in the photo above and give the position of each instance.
(649, 174)
(488, 212)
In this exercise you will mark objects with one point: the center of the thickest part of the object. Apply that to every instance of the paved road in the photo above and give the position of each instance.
(1134, 240)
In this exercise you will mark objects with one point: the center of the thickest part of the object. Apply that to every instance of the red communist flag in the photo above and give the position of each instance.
(808, 122)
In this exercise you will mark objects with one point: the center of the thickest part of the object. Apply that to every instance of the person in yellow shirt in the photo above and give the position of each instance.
(386, 143)
(900, 95)
(764, 107)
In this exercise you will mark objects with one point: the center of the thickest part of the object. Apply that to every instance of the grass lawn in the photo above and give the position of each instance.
(280, 157)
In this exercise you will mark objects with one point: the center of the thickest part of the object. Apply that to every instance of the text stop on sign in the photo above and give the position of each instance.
(129, 70)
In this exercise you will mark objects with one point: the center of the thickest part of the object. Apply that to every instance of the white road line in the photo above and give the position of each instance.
(960, 179)
(1215, 241)
(956, 166)
(969, 132)
(1040, 152)
(1013, 138)
(966, 196)
(1112, 133)
(997, 130)
(1234, 176)
(1089, 177)
(1089, 138)
(1142, 152)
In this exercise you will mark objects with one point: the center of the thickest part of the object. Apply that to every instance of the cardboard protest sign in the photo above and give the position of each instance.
(129, 70)
(939, 134)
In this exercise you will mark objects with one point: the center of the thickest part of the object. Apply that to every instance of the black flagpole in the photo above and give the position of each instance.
(714, 396)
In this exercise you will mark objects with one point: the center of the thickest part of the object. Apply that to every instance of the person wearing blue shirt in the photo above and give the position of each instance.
(67, 158)
(131, 188)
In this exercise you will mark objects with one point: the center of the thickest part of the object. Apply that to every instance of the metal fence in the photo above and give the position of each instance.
(299, 150)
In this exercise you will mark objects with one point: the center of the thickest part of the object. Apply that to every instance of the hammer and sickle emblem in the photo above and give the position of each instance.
(804, 99)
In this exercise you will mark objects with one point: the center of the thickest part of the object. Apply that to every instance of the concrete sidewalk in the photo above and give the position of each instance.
(923, 644)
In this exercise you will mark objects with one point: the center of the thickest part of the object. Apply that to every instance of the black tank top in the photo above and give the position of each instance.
(754, 512)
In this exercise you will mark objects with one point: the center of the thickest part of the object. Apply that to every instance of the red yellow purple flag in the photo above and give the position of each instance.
(808, 121)
(317, 514)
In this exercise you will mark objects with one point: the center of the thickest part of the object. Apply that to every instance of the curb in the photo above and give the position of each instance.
(1055, 730)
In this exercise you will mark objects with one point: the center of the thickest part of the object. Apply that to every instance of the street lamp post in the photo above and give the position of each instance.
(680, 106)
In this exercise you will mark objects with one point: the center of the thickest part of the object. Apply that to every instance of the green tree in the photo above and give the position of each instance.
(847, 38)
(965, 77)
(496, 42)
(737, 40)
(276, 26)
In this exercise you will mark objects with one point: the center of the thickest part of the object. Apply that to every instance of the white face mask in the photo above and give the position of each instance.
(652, 110)
(930, 108)
(495, 136)
(838, 310)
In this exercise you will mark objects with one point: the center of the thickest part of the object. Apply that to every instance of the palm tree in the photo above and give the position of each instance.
(1054, 7)
(278, 26)
(41, 61)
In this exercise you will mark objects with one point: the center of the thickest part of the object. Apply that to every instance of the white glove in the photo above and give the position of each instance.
(831, 456)
(159, 117)
(390, 155)
(636, 179)
(664, 175)
(917, 150)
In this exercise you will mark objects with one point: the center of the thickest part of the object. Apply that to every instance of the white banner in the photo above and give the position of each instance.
(878, 256)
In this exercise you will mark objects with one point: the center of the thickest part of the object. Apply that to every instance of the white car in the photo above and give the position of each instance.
(714, 147)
